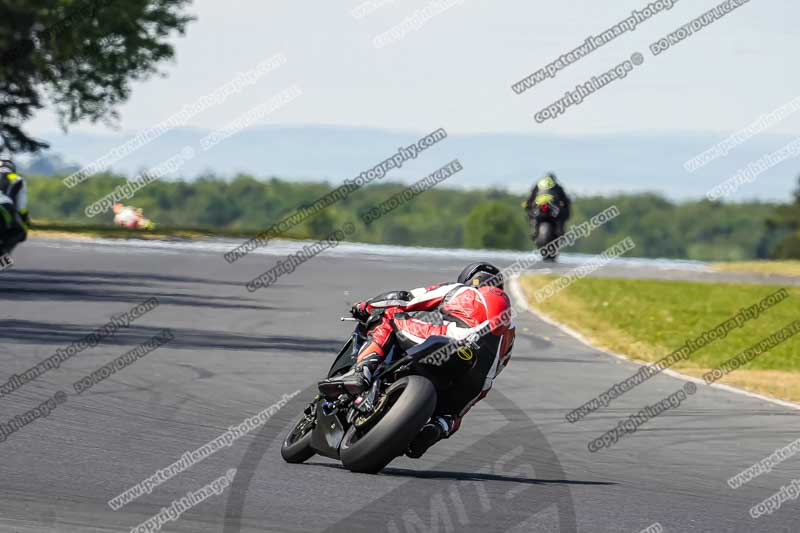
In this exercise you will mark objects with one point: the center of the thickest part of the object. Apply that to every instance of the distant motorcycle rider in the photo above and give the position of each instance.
(548, 189)
(14, 218)
(456, 310)
(130, 217)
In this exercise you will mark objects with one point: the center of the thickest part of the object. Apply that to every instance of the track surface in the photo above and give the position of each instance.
(517, 465)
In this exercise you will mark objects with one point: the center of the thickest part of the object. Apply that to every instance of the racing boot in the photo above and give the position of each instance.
(357, 379)
(437, 429)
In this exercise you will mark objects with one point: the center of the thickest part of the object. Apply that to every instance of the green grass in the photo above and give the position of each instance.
(648, 319)
(782, 268)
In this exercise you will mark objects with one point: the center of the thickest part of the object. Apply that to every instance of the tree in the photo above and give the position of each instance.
(789, 248)
(784, 227)
(80, 55)
(494, 225)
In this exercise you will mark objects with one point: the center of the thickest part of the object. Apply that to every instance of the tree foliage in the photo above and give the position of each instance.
(439, 217)
(494, 224)
(783, 241)
(80, 56)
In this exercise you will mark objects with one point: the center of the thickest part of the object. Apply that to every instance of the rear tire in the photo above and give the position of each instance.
(296, 447)
(547, 234)
(391, 435)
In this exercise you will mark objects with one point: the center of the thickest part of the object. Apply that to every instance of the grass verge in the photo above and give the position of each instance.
(782, 268)
(649, 319)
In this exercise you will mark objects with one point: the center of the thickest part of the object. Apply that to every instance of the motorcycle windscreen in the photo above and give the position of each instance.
(345, 359)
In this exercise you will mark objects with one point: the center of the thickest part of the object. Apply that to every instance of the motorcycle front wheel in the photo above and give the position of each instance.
(412, 401)
(296, 447)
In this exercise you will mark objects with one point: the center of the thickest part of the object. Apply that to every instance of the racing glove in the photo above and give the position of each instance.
(360, 311)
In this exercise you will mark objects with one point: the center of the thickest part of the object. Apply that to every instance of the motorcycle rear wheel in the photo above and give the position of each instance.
(547, 233)
(413, 400)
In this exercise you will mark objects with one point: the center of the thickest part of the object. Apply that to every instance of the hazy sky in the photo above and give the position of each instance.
(456, 70)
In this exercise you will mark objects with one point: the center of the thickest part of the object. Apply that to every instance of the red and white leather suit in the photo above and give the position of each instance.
(453, 310)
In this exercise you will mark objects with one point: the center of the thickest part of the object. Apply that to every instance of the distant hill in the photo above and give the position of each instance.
(48, 164)
(587, 165)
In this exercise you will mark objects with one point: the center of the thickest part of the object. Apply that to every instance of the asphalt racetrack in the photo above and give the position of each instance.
(517, 464)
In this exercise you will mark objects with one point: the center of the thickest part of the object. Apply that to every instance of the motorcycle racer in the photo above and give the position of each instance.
(456, 310)
(545, 190)
(130, 217)
(14, 218)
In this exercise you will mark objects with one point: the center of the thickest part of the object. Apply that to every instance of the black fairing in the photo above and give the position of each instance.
(430, 345)
(327, 434)
(453, 367)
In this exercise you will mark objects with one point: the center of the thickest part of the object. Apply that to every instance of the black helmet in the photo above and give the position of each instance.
(481, 274)
(7, 166)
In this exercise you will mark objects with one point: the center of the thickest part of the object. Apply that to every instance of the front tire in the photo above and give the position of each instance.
(296, 447)
(414, 402)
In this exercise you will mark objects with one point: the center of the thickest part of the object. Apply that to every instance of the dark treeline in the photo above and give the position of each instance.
(440, 217)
